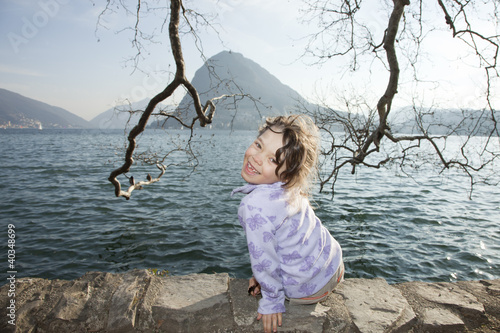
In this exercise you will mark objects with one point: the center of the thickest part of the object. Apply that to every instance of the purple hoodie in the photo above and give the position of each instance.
(292, 254)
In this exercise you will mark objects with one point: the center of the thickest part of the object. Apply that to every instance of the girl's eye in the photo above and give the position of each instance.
(257, 145)
(273, 160)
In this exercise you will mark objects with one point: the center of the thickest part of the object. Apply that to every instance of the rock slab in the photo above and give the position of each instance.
(376, 307)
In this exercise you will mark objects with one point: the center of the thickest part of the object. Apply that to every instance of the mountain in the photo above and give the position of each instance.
(22, 112)
(119, 117)
(232, 73)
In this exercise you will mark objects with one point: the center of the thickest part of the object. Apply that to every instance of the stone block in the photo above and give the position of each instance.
(304, 318)
(441, 320)
(37, 299)
(72, 301)
(338, 315)
(193, 303)
(486, 293)
(123, 307)
(493, 287)
(375, 306)
(101, 287)
(244, 305)
(450, 294)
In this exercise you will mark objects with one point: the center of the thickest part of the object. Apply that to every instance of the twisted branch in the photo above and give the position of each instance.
(179, 79)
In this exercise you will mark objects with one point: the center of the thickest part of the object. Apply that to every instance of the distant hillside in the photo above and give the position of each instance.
(22, 112)
(442, 121)
(113, 119)
(239, 75)
(119, 117)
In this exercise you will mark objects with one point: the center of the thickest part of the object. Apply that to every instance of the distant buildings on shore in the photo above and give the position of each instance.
(22, 123)
(26, 123)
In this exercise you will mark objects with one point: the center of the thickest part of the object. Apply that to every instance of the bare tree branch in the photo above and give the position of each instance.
(204, 114)
(341, 32)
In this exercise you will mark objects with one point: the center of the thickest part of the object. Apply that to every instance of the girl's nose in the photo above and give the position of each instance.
(258, 159)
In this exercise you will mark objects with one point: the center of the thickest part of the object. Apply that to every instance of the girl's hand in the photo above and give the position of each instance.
(253, 287)
(270, 321)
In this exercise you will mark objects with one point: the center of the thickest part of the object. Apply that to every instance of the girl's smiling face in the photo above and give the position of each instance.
(259, 163)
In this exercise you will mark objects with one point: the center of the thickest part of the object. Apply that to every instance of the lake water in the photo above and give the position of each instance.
(54, 189)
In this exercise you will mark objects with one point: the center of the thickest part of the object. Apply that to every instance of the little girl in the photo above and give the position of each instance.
(292, 254)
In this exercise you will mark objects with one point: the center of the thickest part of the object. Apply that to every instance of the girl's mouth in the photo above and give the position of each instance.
(250, 169)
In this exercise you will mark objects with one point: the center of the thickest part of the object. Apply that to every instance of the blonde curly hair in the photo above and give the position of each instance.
(299, 153)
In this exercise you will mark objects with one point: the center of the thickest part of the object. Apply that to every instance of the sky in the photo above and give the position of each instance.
(55, 51)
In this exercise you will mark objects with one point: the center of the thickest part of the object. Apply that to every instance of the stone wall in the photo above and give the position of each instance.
(139, 301)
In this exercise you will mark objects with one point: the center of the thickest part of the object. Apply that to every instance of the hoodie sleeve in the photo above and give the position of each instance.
(260, 214)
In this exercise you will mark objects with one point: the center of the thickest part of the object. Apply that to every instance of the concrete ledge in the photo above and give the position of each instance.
(138, 301)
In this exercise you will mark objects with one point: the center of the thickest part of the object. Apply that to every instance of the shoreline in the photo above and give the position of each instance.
(139, 301)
